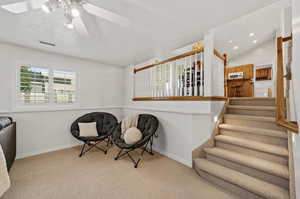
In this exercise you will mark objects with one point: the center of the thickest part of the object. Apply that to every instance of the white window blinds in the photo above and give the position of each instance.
(42, 86)
(64, 86)
(34, 85)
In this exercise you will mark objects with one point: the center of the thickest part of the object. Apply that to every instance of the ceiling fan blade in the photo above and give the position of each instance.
(80, 26)
(21, 6)
(86, 24)
(8, 2)
(36, 4)
(105, 14)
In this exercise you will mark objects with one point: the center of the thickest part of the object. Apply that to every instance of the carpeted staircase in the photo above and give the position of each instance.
(248, 153)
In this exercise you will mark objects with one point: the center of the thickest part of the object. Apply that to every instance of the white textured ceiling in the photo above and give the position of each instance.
(156, 26)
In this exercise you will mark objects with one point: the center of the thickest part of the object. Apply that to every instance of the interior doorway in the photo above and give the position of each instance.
(240, 81)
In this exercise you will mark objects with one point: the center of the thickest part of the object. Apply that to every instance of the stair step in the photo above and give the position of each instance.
(250, 117)
(265, 122)
(252, 98)
(250, 161)
(251, 110)
(252, 130)
(250, 101)
(249, 183)
(258, 108)
(259, 146)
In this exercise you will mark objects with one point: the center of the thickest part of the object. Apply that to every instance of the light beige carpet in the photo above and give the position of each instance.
(63, 175)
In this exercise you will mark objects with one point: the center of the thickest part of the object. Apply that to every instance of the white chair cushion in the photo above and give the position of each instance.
(132, 135)
(88, 129)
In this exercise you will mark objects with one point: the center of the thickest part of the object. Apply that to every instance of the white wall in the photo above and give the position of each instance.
(183, 125)
(296, 85)
(100, 89)
(264, 54)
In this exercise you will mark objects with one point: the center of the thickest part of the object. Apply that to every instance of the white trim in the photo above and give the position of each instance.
(25, 155)
(17, 106)
(166, 110)
(162, 152)
(58, 108)
(174, 157)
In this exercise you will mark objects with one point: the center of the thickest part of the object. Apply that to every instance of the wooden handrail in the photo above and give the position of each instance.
(170, 59)
(178, 57)
(219, 55)
(280, 99)
(225, 76)
(181, 98)
(285, 39)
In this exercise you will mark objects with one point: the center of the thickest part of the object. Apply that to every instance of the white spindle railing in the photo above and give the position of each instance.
(181, 77)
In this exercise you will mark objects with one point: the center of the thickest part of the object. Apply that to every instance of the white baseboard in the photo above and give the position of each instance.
(174, 157)
(163, 152)
(25, 155)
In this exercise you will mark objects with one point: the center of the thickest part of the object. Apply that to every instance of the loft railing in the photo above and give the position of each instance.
(282, 84)
(177, 78)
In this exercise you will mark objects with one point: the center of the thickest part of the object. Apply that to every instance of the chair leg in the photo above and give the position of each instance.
(140, 158)
(136, 163)
(82, 149)
(119, 154)
(151, 143)
(91, 145)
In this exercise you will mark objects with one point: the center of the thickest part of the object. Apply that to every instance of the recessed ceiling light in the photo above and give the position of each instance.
(69, 25)
(235, 47)
(254, 41)
(251, 34)
(230, 41)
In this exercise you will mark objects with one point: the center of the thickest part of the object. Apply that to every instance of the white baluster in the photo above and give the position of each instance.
(151, 82)
(185, 77)
(172, 78)
(202, 74)
(175, 79)
(168, 70)
(191, 76)
(182, 78)
(160, 81)
(196, 76)
(133, 85)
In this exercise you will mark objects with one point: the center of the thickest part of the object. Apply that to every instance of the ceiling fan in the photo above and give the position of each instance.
(78, 13)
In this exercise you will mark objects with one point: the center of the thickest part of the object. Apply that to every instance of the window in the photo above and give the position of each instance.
(43, 86)
(64, 87)
(34, 85)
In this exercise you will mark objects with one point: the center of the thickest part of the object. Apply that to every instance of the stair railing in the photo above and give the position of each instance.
(282, 86)
(179, 78)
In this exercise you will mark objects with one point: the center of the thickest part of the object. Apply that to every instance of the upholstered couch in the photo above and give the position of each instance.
(8, 139)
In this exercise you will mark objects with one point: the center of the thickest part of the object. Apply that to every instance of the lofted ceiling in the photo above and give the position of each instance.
(156, 26)
(263, 23)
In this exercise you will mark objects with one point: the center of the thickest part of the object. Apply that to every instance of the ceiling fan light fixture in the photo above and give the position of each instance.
(69, 26)
(75, 12)
(46, 7)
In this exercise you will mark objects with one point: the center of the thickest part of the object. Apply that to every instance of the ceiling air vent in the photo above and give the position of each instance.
(47, 43)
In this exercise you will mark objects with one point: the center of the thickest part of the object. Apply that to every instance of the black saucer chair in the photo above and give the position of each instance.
(148, 125)
(106, 123)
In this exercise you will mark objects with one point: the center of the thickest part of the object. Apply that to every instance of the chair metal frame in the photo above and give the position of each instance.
(94, 145)
(144, 149)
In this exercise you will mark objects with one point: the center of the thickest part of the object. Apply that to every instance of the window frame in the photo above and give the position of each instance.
(48, 106)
